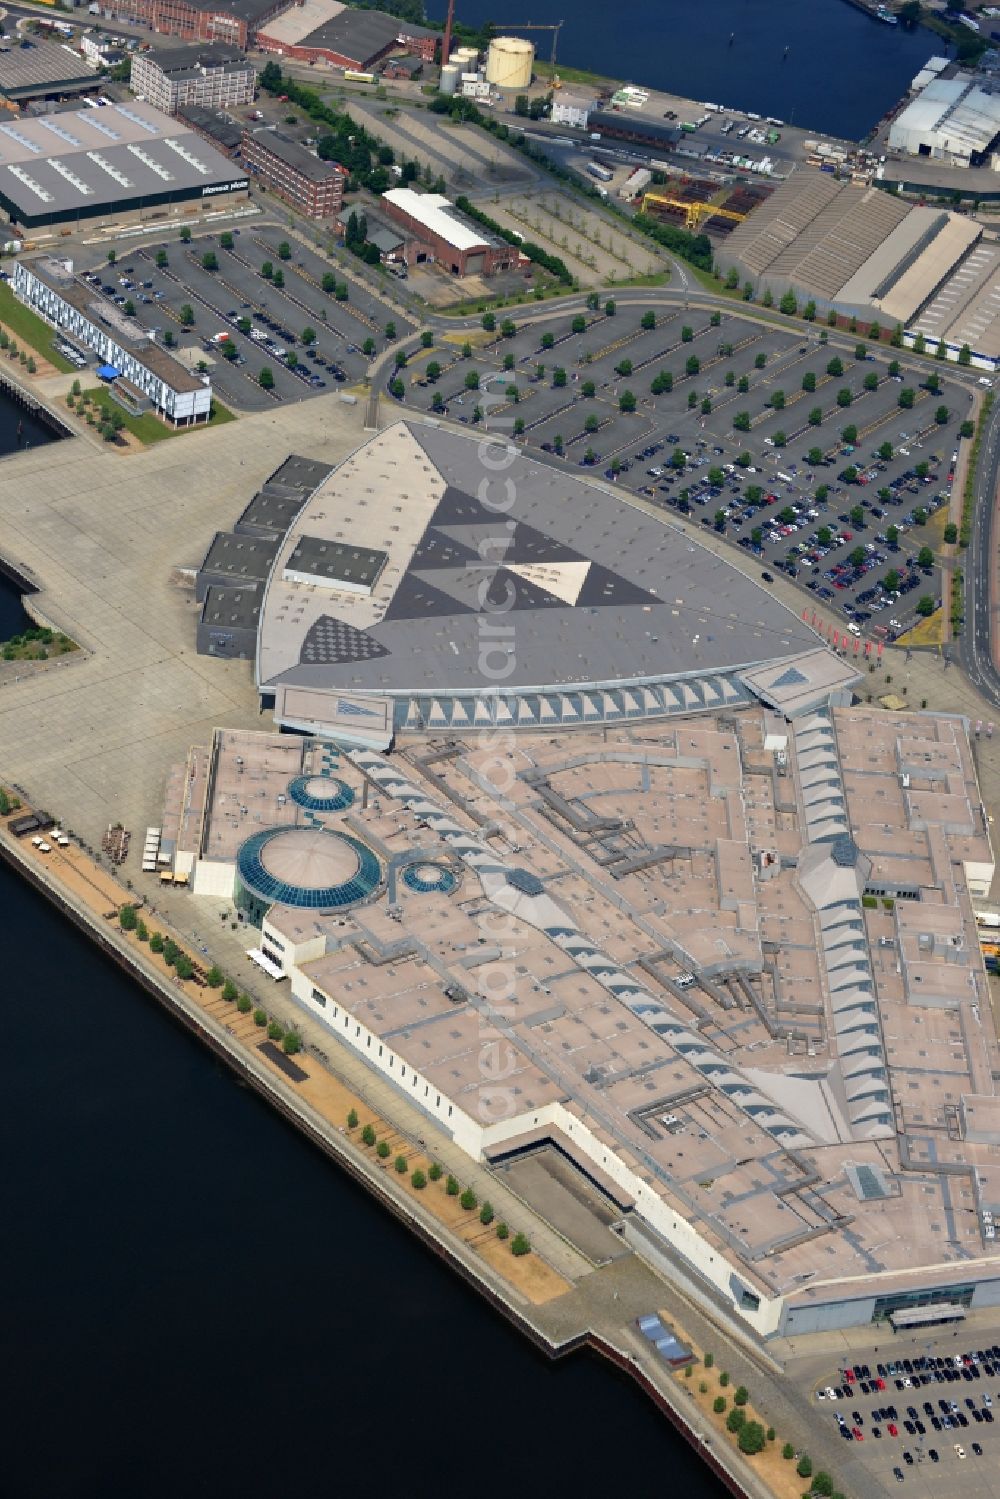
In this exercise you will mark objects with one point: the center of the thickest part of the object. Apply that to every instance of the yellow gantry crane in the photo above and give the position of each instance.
(553, 26)
(693, 212)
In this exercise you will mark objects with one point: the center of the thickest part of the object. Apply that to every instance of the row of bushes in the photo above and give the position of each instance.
(535, 253)
(519, 1244)
(752, 1438)
(176, 958)
(969, 494)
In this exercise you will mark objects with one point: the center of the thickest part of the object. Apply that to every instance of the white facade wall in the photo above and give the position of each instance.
(178, 405)
(213, 88)
(475, 1137)
(288, 952)
(214, 877)
(570, 112)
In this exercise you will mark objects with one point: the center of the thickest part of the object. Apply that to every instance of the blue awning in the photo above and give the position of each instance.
(108, 372)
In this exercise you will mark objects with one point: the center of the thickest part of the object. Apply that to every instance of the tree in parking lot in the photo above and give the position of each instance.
(805, 1467)
(809, 312)
(692, 399)
(579, 324)
(941, 415)
(951, 533)
(626, 402)
(559, 378)
(547, 340)
(610, 308)
(437, 404)
(743, 460)
(891, 581)
(906, 399)
(835, 367)
(967, 429)
(757, 536)
(706, 406)
(129, 308)
(186, 315)
(588, 390)
(850, 474)
(244, 324)
(778, 400)
(892, 535)
(824, 536)
(815, 417)
(922, 470)
(925, 606)
(399, 359)
(743, 385)
(112, 256)
(720, 520)
(284, 250)
(822, 492)
(662, 384)
(760, 361)
(741, 421)
(885, 452)
(161, 259)
(433, 370)
(850, 434)
(767, 300)
(730, 377)
(933, 383)
(647, 321)
(228, 349)
(857, 514)
(591, 424)
(822, 1484)
(844, 397)
(779, 439)
(894, 368)
(185, 235)
(278, 279)
(870, 381)
(308, 336)
(716, 477)
(226, 241)
(210, 261)
(508, 327)
(925, 557)
(397, 388)
(809, 381)
(168, 338)
(857, 557)
(677, 459)
(623, 367)
(291, 359)
(753, 494)
(860, 352)
(266, 379)
(788, 304)
(693, 365)
(814, 456)
(788, 1452)
(687, 334)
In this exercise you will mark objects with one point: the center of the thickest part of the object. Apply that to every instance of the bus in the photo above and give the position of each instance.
(350, 76)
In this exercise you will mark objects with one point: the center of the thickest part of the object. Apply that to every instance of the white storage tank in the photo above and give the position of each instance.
(468, 56)
(509, 62)
(450, 75)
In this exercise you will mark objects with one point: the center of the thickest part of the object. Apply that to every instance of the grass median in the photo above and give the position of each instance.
(30, 329)
(147, 427)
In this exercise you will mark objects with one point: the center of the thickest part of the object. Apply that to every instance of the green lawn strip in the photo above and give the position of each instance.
(149, 428)
(29, 328)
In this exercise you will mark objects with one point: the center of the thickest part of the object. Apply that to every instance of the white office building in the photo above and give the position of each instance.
(139, 371)
(572, 109)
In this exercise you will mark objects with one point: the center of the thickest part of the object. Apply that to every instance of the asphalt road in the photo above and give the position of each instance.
(975, 644)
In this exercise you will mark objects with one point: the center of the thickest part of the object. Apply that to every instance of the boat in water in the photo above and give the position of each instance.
(881, 14)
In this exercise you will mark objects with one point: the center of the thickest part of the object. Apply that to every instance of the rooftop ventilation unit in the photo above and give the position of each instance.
(147, 161)
(105, 165)
(64, 135)
(30, 183)
(68, 176)
(188, 156)
(22, 140)
(102, 126)
(136, 119)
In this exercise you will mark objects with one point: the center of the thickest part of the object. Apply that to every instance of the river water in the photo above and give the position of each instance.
(842, 70)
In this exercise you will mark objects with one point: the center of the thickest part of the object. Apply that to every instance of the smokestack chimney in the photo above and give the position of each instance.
(446, 41)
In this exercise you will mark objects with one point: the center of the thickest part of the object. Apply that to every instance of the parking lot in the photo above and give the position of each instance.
(831, 465)
(927, 1421)
(292, 321)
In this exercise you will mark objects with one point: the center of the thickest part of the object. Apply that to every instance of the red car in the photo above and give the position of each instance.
(849, 1375)
(880, 1384)
(892, 1430)
(857, 1433)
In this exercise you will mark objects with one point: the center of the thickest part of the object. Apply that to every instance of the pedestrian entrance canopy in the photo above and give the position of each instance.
(927, 1316)
(108, 372)
(263, 961)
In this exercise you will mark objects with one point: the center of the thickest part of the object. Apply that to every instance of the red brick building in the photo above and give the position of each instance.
(356, 39)
(313, 187)
(233, 21)
(446, 236)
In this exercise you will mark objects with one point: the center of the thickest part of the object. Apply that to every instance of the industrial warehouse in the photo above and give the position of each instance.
(744, 978)
(328, 32)
(866, 253)
(106, 164)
